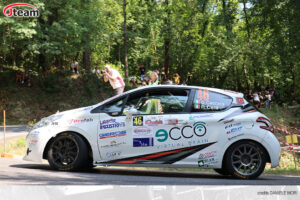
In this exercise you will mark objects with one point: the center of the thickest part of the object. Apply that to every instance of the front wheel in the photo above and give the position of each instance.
(245, 160)
(68, 152)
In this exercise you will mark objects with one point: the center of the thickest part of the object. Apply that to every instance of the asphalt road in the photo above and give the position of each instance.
(13, 132)
(15, 171)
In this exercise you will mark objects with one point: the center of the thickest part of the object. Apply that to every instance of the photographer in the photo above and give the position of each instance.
(114, 78)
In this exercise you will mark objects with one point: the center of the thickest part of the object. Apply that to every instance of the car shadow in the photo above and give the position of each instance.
(134, 172)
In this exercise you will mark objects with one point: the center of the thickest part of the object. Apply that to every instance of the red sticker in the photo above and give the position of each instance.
(239, 100)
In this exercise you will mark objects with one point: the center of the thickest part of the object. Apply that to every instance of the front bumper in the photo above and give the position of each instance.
(35, 143)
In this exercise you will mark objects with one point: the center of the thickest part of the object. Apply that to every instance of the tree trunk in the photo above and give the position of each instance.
(86, 58)
(125, 41)
(167, 40)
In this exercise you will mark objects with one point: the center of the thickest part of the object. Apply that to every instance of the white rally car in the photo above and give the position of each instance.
(160, 126)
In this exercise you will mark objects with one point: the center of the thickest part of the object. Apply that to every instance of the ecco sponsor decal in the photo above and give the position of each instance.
(142, 132)
(11, 11)
(112, 134)
(142, 142)
(198, 129)
(111, 123)
(181, 144)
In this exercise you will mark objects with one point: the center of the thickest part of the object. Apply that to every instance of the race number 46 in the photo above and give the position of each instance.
(138, 121)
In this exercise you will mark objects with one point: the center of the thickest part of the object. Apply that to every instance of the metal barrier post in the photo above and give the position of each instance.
(4, 130)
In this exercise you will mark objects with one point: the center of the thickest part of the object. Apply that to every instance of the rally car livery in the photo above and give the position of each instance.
(160, 126)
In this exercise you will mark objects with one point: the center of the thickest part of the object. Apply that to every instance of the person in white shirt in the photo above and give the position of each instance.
(114, 78)
(256, 99)
(75, 67)
(268, 99)
(96, 71)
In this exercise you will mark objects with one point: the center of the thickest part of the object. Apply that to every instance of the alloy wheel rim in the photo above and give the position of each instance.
(246, 159)
(65, 151)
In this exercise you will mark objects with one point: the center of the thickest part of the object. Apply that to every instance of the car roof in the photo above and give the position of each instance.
(227, 92)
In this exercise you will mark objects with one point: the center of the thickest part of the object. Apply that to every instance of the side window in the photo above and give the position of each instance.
(158, 102)
(114, 107)
(205, 100)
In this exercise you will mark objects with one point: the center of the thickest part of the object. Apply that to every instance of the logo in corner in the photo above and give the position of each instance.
(12, 11)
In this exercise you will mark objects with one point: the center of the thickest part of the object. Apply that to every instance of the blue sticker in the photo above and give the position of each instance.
(142, 142)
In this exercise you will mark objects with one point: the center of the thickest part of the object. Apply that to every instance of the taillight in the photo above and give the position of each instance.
(267, 124)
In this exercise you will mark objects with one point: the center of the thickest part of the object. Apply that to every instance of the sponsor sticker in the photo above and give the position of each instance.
(77, 121)
(113, 144)
(112, 134)
(239, 100)
(171, 121)
(114, 154)
(12, 11)
(234, 130)
(233, 125)
(138, 121)
(154, 121)
(142, 142)
(111, 123)
(211, 154)
(142, 132)
(188, 132)
(207, 162)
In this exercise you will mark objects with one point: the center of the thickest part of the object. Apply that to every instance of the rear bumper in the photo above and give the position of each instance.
(272, 145)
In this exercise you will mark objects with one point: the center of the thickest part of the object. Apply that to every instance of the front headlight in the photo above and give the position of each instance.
(46, 121)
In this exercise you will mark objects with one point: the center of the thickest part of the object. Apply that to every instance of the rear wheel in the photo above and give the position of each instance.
(245, 160)
(68, 152)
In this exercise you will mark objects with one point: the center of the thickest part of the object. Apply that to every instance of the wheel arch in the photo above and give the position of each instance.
(45, 155)
(263, 147)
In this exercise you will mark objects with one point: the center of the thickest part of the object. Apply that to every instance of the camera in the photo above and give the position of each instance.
(103, 71)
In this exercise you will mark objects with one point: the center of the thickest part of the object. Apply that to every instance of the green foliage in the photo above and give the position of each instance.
(232, 44)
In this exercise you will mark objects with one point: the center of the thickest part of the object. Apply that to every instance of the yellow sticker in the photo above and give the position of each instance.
(138, 121)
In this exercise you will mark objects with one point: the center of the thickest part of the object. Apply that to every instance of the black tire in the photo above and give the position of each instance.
(68, 152)
(222, 172)
(245, 160)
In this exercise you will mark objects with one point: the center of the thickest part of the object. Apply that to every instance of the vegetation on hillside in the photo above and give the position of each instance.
(233, 44)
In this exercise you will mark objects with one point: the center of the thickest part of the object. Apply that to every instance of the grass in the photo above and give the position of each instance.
(15, 146)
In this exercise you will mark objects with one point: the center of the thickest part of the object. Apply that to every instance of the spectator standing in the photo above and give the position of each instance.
(142, 71)
(75, 67)
(256, 100)
(96, 71)
(261, 98)
(249, 96)
(115, 79)
(163, 77)
(153, 78)
(176, 79)
(268, 99)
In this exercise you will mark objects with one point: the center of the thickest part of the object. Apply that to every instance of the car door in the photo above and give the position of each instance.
(160, 127)
(113, 130)
(208, 107)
